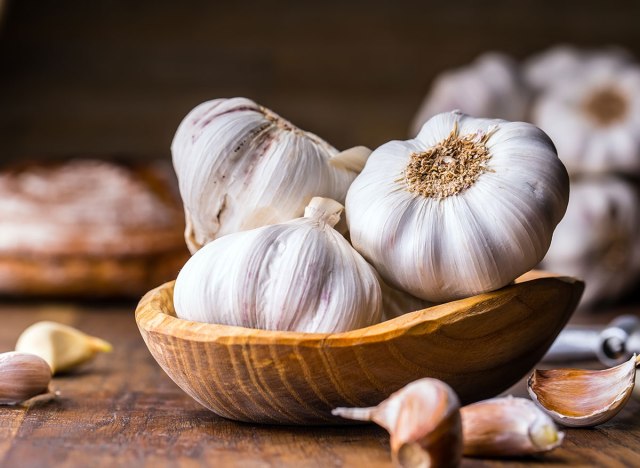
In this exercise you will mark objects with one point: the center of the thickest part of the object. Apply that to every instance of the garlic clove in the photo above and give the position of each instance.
(423, 420)
(61, 346)
(583, 398)
(507, 427)
(22, 376)
(352, 159)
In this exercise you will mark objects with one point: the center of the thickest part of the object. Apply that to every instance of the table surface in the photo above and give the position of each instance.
(122, 410)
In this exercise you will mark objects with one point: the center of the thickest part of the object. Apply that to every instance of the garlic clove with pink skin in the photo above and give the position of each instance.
(423, 419)
(583, 398)
(507, 427)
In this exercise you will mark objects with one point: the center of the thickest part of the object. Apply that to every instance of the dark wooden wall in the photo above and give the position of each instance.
(97, 76)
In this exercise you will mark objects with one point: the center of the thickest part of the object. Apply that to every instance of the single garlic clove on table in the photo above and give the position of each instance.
(22, 376)
(583, 398)
(61, 346)
(423, 420)
(507, 427)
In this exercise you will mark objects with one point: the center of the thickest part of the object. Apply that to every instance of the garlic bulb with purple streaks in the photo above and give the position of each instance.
(241, 166)
(301, 275)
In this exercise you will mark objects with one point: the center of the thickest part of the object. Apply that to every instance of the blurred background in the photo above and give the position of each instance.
(116, 76)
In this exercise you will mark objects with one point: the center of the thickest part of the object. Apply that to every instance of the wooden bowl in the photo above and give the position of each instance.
(480, 346)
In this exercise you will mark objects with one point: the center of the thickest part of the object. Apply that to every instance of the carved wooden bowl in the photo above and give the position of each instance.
(480, 346)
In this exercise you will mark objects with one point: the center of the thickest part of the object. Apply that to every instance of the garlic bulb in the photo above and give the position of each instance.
(552, 66)
(491, 86)
(465, 207)
(599, 238)
(301, 275)
(593, 117)
(241, 166)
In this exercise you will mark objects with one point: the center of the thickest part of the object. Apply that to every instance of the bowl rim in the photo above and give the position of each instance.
(151, 316)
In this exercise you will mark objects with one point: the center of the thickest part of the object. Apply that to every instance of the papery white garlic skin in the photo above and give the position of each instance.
(476, 240)
(503, 427)
(301, 275)
(491, 86)
(593, 117)
(241, 166)
(423, 420)
(598, 240)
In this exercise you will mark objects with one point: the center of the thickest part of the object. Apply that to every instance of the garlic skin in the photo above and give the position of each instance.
(593, 117)
(301, 275)
(396, 302)
(61, 346)
(507, 427)
(22, 376)
(491, 86)
(583, 398)
(423, 420)
(464, 208)
(598, 240)
(241, 166)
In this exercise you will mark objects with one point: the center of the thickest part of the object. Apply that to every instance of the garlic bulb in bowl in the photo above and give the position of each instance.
(464, 208)
(599, 238)
(491, 86)
(241, 166)
(301, 275)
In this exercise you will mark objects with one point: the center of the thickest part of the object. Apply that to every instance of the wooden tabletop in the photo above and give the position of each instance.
(122, 410)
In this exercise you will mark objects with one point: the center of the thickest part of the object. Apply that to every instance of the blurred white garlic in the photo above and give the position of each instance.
(301, 275)
(465, 207)
(241, 166)
(593, 115)
(598, 240)
(490, 86)
(559, 63)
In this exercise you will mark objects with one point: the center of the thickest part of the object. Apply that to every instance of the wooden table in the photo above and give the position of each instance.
(122, 410)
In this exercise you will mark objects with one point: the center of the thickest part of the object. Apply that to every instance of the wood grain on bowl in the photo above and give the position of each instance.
(480, 346)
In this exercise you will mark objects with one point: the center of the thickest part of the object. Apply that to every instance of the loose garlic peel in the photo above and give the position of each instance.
(61, 346)
(301, 275)
(583, 398)
(464, 208)
(240, 166)
(423, 420)
(507, 427)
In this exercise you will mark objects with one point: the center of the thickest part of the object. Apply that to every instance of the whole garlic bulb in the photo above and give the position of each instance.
(593, 117)
(301, 275)
(491, 86)
(241, 166)
(465, 207)
(553, 66)
(599, 238)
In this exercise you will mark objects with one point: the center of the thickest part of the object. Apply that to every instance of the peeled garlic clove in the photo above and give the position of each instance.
(241, 166)
(301, 275)
(22, 376)
(61, 346)
(507, 427)
(423, 420)
(583, 398)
